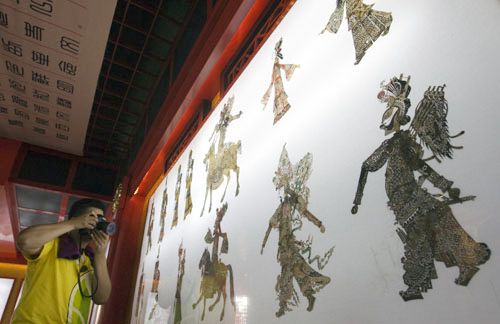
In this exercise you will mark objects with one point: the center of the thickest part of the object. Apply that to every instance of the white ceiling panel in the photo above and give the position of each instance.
(50, 57)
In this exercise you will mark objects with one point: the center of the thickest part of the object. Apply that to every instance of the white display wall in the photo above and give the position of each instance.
(335, 116)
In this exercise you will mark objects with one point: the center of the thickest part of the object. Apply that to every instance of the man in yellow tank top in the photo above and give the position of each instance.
(64, 274)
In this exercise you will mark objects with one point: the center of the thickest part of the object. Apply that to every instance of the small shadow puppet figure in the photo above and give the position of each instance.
(139, 303)
(188, 207)
(155, 284)
(366, 24)
(163, 214)
(281, 104)
(150, 227)
(180, 275)
(177, 196)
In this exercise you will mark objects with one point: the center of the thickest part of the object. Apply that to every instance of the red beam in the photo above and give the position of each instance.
(37, 211)
(60, 190)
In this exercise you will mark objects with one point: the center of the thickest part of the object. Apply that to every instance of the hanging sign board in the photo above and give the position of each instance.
(51, 55)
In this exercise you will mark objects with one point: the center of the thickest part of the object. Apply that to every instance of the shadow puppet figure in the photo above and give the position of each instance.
(188, 206)
(281, 104)
(223, 158)
(163, 214)
(150, 227)
(426, 224)
(180, 275)
(177, 196)
(287, 219)
(213, 271)
(365, 24)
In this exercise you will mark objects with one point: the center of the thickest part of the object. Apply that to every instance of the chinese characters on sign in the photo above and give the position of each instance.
(40, 75)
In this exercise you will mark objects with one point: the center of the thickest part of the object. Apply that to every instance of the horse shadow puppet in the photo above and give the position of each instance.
(213, 270)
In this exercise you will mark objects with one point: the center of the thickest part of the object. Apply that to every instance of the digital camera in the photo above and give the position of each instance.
(103, 225)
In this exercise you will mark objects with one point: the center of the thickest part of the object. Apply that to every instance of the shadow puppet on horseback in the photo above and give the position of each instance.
(221, 161)
(213, 270)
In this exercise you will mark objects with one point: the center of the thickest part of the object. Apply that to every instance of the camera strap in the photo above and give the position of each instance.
(93, 291)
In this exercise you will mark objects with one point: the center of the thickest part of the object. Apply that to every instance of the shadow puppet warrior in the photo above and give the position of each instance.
(426, 224)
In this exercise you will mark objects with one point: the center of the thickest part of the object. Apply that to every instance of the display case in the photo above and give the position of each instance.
(348, 175)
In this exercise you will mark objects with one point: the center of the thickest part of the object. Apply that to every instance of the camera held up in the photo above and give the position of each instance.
(103, 225)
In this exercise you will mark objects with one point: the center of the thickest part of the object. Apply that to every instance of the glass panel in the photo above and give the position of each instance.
(27, 218)
(38, 199)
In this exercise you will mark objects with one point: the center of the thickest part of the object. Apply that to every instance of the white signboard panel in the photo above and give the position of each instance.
(335, 115)
(51, 55)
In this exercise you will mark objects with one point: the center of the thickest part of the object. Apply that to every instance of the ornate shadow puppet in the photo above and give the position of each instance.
(426, 224)
(140, 294)
(213, 270)
(180, 274)
(220, 163)
(155, 284)
(150, 226)
(366, 24)
(163, 214)
(287, 219)
(188, 207)
(281, 104)
(177, 195)
(156, 274)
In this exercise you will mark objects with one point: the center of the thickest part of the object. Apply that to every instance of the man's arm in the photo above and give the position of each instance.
(101, 268)
(31, 240)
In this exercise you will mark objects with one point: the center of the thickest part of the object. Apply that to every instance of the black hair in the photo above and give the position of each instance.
(80, 206)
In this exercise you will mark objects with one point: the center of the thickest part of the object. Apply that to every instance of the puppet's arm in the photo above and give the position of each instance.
(273, 223)
(372, 164)
(313, 219)
(438, 180)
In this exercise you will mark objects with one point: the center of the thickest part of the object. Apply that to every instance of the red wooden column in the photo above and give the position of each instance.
(124, 259)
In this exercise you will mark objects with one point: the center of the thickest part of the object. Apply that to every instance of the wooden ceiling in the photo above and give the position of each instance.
(147, 46)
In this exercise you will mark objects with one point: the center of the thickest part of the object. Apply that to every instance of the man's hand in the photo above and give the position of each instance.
(101, 274)
(100, 240)
(87, 220)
